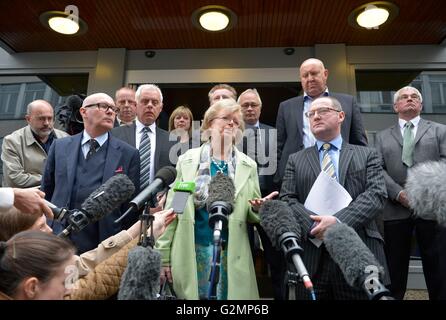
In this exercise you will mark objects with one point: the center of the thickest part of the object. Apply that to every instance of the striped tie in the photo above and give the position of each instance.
(144, 155)
(327, 163)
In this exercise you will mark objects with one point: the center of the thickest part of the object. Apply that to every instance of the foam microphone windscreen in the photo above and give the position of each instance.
(141, 278)
(167, 174)
(114, 192)
(350, 253)
(221, 188)
(426, 190)
(74, 102)
(277, 218)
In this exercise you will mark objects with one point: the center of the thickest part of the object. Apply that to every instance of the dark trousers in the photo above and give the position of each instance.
(398, 238)
(273, 258)
(329, 283)
(441, 240)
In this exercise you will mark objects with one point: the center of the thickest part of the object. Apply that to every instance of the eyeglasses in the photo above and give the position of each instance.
(413, 96)
(321, 112)
(228, 120)
(103, 106)
(252, 105)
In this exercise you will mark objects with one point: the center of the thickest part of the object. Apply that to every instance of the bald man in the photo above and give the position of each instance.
(293, 128)
(79, 164)
(25, 150)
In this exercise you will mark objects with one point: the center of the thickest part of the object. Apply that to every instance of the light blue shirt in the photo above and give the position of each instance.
(86, 138)
(334, 152)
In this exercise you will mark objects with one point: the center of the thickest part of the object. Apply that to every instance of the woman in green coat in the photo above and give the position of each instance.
(186, 246)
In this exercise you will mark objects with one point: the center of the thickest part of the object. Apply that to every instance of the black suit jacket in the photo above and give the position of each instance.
(163, 145)
(266, 154)
(289, 124)
(361, 174)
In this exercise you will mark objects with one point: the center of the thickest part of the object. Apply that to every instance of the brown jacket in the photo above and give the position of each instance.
(103, 282)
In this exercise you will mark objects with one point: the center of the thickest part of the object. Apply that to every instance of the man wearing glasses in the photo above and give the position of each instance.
(293, 128)
(79, 164)
(358, 170)
(410, 141)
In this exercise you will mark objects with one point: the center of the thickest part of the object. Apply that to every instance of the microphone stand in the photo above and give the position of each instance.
(146, 222)
(215, 268)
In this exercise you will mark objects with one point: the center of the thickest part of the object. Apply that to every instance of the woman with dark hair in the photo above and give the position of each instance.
(35, 265)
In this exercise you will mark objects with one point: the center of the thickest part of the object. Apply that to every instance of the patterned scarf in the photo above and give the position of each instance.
(204, 174)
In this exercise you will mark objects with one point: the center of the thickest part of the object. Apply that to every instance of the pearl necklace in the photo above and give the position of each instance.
(220, 168)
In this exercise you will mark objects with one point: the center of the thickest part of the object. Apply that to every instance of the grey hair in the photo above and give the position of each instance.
(148, 87)
(397, 94)
(254, 91)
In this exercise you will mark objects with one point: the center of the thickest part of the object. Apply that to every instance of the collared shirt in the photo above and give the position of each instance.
(152, 137)
(45, 145)
(308, 137)
(86, 139)
(334, 152)
(415, 121)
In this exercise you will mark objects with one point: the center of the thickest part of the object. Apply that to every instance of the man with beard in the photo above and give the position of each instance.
(25, 150)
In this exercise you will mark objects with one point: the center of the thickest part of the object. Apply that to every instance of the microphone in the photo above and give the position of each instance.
(277, 219)
(357, 263)
(58, 213)
(141, 278)
(163, 178)
(426, 190)
(220, 203)
(182, 192)
(102, 201)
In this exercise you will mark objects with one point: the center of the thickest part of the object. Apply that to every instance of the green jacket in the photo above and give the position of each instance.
(177, 244)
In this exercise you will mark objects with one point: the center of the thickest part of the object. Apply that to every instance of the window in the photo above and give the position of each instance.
(375, 89)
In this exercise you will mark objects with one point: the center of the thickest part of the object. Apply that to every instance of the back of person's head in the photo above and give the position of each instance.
(14, 221)
(35, 256)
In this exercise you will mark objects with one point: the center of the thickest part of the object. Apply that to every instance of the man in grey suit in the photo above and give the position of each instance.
(424, 141)
(358, 170)
(293, 129)
(149, 104)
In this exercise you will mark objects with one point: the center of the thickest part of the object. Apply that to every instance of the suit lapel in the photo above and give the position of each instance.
(130, 132)
(345, 157)
(396, 133)
(159, 142)
(313, 159)
(72, 148)
(112, 159)
(298, 114)
(423, 126)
